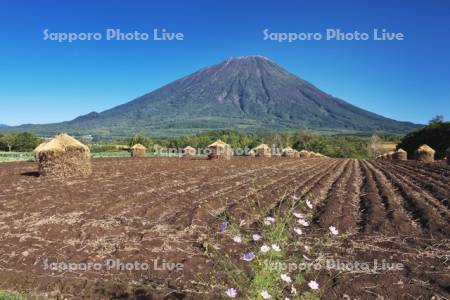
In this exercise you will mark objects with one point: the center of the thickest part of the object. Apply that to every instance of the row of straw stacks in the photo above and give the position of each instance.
(424, 153)
(400, 154)
(264, 150)
(64, 156)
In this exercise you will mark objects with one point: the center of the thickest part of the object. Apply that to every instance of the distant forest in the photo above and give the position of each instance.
(436, 135)
(331, 145)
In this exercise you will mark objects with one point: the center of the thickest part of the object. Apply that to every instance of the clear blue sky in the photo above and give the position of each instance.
(45, 81)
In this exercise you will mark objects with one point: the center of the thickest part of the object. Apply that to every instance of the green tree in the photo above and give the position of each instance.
(8, 140)
(26, 141)
(304, 140)
(140, 139)
(437, 119)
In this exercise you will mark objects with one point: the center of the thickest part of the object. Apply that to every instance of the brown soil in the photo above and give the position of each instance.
(147, 209)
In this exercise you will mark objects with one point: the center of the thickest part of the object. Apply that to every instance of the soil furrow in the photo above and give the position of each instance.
(191, 198)
(329, 211)
(434, 203)
(437, 179)
(249, 202)
(429, 167)
(302, 188)
(428, 218)
(348, 217)
(374, 211)
(438, 189)
(401, 221)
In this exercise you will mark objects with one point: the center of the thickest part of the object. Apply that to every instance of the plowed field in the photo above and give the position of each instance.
(160, 210)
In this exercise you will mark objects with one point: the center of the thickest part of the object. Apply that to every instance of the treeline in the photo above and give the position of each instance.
(330, 145)
(436, 135)
(353, 146)
(20, 142)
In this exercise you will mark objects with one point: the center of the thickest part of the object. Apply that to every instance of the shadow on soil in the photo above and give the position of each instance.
(32, 174)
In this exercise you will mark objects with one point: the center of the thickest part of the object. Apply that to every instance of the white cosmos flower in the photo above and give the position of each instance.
(313, 285)
(299, 215)
(265, 248)
(231, 292)
(333, 230)
(309, 204)
(286, 278)
(303, 222)
(237, 239)
(265, 295)
(298, 231)
(256, 237)
(276, 248)
(269, 221)
(295, 197)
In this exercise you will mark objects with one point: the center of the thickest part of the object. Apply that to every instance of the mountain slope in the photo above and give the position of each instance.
(250, 93)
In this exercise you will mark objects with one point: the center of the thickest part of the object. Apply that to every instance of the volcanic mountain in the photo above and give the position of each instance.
(248, 93)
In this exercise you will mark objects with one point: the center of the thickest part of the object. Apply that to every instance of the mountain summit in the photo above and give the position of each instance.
(247, 93)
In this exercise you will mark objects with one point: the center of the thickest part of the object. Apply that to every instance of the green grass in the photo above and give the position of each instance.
(261, 274)
(15, 156)
(28, 156)
(111, 154)
(11, 296)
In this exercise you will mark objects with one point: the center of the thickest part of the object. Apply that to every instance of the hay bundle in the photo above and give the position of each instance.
(390, 155)
(400, 154)
(263, 151)
(63, 156)
(304, 154)
(313, 154)
(425, 153)
(138, 150)
(37, 150)
(220, 150)
(189, 151)
(288, 152)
